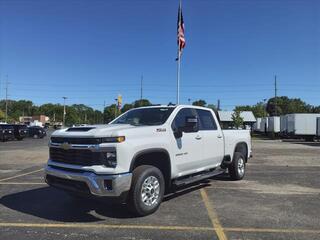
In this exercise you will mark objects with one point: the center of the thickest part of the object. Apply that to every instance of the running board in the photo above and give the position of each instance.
(195, 178)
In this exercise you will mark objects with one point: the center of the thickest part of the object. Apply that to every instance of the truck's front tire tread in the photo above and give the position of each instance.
(134, 201)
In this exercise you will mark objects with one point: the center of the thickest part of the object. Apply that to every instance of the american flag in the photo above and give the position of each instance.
(181, 39)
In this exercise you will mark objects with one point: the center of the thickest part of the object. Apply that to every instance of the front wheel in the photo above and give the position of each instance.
(147, 190)
(238, 166)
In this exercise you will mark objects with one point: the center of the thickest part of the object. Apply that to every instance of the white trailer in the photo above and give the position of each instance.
(264, 124)
(274, 124)
(256, 125)
(283, 124)
(302, 125)
(318, 126)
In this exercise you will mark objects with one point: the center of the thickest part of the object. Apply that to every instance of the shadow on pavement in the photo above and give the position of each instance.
(49, 203)
(56, 205)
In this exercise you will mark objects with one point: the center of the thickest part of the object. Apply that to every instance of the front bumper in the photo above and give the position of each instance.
(98, 185)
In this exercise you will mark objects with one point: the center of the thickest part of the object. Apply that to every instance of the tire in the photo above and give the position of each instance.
(142, 176)
(237, 167)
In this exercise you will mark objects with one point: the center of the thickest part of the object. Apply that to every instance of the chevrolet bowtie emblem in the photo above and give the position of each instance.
(65, 146)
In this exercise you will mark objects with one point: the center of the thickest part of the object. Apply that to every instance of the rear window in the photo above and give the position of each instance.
(206, 120)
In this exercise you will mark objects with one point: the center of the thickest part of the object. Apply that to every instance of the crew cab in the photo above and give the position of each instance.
(6, 132)
(145, 153)
(36, 132)
(20, 131)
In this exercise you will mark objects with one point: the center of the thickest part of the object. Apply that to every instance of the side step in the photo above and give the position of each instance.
(195, 178)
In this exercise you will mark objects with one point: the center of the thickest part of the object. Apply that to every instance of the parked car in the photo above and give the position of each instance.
(144, 153)
(20, 131)
(37, 132)
(6, 132)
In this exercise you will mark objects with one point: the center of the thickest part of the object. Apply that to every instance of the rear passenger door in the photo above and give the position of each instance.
(212, 139)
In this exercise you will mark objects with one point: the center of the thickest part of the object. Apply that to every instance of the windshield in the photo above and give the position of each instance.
(5, 126)
(145, 116)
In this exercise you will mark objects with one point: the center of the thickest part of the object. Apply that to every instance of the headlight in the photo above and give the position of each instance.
(113, 139)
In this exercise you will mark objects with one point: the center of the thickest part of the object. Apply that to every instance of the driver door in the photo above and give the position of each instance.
(187, 149)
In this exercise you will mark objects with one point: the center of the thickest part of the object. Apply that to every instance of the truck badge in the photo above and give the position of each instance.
(65, 146)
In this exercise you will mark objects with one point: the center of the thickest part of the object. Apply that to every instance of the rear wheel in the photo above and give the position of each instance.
(147, 190)
(238, 166)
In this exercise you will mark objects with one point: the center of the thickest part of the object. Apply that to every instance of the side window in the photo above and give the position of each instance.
(206, 120)
(180, 119)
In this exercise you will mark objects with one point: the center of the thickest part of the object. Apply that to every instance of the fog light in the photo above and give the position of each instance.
(108, 184)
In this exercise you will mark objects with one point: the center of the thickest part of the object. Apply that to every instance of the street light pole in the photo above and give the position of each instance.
(64, 110)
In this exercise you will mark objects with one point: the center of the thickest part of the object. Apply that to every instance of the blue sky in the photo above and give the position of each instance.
(90, 51)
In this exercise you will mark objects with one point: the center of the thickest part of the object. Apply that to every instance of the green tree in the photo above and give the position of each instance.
(258, 110)
(284, 105)
(2, 116)
(142, 103)
(213, 107)
(237, 119)
(110, 113)
(200, 102)
(126, 107)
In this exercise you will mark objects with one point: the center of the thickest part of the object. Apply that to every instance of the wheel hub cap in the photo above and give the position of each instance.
(241, 166)
(150, 191)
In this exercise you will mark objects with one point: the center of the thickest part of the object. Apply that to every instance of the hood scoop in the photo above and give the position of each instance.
(80, 129)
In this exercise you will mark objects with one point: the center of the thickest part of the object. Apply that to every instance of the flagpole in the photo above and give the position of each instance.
(178, 77)
(179, 60)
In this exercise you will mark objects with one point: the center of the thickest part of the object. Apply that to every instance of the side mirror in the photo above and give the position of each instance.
(191, 124)
(177, 133)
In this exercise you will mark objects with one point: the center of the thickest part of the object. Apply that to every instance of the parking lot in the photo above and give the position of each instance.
(278, 199)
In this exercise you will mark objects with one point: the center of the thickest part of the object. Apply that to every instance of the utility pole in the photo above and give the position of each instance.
(218, 105)
(141, 88)
(115, 108)
(275, 94)
(7, 83)
(64, 110)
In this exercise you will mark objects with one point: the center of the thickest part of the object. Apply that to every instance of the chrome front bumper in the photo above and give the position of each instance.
(96, 183)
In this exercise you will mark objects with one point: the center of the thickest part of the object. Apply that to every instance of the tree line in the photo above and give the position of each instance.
(80, 113)
(75, 114)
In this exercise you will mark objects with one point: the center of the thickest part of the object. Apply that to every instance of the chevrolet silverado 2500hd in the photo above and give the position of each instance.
(144, 153)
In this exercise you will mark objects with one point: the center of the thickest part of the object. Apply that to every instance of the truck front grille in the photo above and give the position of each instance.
(81, 157)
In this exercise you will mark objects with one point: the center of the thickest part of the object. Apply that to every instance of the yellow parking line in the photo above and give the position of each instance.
(20, 175)
(150, 227)
(106, 226)
(213, 216)
(22, 183)
(272, 230)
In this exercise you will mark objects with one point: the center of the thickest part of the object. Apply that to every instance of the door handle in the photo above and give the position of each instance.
(198, 137)
(219, 136)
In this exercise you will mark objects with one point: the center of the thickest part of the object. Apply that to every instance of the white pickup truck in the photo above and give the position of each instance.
(145, 153)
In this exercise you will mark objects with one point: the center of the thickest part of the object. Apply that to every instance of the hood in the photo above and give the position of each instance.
(107, 130)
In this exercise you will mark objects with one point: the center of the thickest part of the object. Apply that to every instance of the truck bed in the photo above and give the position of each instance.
(233, 137)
